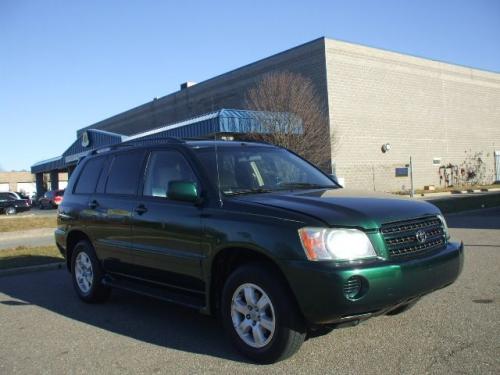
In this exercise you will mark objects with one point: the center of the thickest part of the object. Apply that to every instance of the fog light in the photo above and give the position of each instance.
(355, 287)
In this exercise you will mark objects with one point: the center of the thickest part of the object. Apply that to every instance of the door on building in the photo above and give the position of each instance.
(497, 165)
(4, 187)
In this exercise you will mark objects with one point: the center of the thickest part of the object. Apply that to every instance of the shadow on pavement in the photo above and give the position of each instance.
(26, 261)
(488, 218)
(127, 314)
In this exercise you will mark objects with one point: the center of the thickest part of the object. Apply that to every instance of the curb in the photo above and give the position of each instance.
(41, 267)
(453, 192)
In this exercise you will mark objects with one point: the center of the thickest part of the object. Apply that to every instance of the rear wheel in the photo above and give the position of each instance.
(10, 211)
(260, 316)
(87, 274)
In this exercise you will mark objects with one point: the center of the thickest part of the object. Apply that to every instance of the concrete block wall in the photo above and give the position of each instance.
(423, 108)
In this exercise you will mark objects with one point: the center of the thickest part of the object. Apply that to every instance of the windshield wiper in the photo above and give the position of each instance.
(248, 191)
(304, 185)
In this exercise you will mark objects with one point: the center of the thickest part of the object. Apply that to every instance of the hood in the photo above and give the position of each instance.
(343, 207)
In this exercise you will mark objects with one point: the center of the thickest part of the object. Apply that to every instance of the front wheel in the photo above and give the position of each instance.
(260, 315)
(87, 274)
(10, 211)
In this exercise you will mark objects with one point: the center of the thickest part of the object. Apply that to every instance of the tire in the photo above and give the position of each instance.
(10, 211)
(87, 274)
(284, 331)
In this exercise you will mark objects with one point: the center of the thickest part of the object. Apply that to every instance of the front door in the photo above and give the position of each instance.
(167, 233)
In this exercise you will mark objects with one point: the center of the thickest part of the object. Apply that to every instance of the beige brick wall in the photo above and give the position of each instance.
(423, 108)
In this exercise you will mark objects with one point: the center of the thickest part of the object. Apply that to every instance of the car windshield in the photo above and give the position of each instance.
(259, 169)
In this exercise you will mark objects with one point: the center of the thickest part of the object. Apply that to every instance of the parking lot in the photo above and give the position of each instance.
(44, 328)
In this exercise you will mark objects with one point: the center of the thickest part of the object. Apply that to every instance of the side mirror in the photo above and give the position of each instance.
(185, 191)
(335, 179)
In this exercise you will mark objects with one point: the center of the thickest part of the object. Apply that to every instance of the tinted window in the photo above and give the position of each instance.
(124, 174)
(101, 184)
(249, 169)
(164, 167)
(88, 178)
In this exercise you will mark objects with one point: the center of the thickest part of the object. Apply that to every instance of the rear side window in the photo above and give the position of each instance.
(124, 173)
(164, 167)
(88, 178)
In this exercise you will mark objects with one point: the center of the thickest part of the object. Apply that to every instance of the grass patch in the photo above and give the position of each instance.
(29, 256)
(22, 223)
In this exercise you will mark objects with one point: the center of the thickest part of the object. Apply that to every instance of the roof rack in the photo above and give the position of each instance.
(134, 142)
(147, 139)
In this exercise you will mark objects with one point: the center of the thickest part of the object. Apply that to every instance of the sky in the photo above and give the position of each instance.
(67, 64)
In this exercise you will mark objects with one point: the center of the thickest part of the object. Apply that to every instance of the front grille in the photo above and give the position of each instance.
(401, 237)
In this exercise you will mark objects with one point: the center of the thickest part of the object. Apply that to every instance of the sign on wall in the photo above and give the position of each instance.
(402, 172)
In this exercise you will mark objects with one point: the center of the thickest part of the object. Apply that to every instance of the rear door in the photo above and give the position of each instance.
(111, 209)
(167, 233)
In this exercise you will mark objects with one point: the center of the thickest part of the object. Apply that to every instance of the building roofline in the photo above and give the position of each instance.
(47, 161)
(405, 54)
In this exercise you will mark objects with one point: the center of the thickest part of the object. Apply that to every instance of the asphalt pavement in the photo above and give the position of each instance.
(44, 328)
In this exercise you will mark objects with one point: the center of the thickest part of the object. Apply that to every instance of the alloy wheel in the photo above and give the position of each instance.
(253, 315)
(84, 274)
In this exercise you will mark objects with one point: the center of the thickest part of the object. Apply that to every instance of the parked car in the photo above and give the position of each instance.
(25, 196)
(11, 203)
(51, 199)
(252, 233)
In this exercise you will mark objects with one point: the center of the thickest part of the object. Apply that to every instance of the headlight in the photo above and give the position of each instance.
(445, 226)
(335, 244)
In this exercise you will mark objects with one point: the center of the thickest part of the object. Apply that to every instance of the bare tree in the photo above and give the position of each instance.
(295, 117)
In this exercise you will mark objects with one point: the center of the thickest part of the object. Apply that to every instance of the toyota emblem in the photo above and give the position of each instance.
(421, 236)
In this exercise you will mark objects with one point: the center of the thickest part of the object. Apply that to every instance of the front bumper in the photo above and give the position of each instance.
(318, 286)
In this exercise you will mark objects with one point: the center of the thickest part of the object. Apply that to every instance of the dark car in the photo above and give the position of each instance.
(11, 203)
(252, 233)
(25, 196)
(51, 199)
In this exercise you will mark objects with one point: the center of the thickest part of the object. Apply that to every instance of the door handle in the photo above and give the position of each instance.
(140, 209)
(93, 204)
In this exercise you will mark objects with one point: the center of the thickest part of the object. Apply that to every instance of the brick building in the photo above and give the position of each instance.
(435, 112)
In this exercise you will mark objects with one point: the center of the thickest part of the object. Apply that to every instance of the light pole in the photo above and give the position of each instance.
(411, 179)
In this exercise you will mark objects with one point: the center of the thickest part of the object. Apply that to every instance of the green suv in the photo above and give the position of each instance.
(249, 232)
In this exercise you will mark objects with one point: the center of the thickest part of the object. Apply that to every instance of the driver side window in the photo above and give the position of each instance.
(164, 167)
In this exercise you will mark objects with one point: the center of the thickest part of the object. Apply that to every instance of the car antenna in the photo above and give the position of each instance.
(217, 170)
